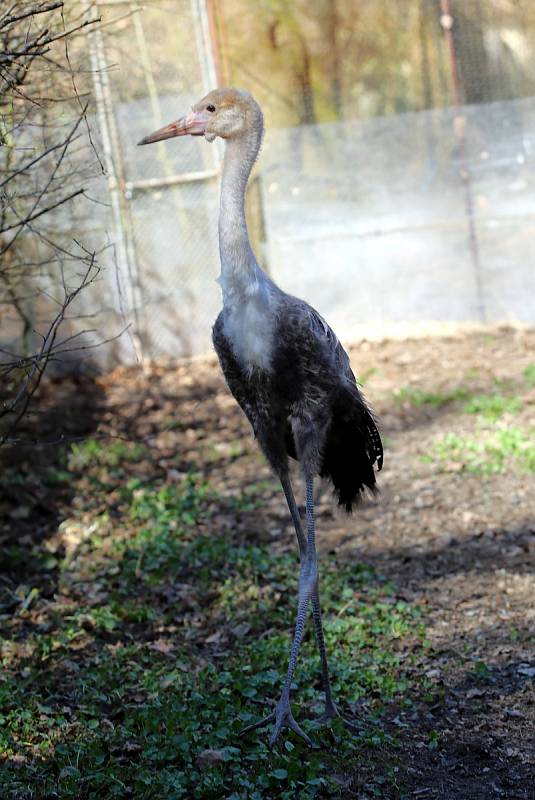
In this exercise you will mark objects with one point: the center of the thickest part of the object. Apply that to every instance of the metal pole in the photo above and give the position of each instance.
(212, 27)
(447, 21)
(109, 146)
(206, 49)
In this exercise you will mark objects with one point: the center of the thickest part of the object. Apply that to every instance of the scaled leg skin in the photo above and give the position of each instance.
(331, 710)
(308, 578)
(294, 512)
(308, 592)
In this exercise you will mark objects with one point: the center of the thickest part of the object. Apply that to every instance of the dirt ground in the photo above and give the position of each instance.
(458, 540)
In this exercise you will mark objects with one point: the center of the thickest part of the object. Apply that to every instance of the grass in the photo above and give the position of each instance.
(92, 452)
(529, 374)
(166, 635)
(408, 395)
(491, 406)
(489, 451)
(366, 375)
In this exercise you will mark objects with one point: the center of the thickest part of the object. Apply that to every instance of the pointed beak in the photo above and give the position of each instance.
(193, 124)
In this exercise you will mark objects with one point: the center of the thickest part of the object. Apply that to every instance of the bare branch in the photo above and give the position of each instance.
(44, 167)
(43, 211)
(31, 12)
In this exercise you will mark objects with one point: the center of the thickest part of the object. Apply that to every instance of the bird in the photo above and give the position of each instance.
(288, 372)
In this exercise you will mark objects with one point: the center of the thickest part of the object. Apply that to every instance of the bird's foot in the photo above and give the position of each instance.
(283, 718)
(331, 712)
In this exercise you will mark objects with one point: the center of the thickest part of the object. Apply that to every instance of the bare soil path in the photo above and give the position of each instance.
(453, 531)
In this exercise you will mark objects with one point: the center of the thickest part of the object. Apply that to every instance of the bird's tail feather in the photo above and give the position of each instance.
(352, 448)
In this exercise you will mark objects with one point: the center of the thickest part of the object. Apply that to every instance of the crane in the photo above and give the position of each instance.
(286, 369)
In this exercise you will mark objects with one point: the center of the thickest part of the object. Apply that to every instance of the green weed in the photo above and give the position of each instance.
(419, 398)
(488, 451)
(143, 690)
(529, 374)
(489, 406)
(365, 376)
(481, 671)
(90, 452)
(493, 406)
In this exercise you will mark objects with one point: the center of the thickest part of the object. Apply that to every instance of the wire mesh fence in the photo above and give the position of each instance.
(419, 227)
(415, 203)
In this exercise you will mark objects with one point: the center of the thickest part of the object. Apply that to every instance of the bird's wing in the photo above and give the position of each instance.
(306, 318)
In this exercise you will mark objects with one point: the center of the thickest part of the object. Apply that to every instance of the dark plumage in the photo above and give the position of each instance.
(310, 380)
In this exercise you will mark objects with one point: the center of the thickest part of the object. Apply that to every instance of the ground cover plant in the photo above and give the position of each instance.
(168, 637)
(148, 591)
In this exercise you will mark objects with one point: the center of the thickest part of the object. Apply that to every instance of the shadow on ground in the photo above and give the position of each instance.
(128, 653)
(35, 485)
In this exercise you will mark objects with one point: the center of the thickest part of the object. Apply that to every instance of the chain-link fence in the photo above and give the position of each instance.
(400, 219)
(159, 210)
(395, 211)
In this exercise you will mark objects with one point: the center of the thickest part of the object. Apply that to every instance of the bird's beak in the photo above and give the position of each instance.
(193, 124)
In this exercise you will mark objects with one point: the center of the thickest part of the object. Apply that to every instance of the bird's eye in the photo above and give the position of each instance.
(210, 108)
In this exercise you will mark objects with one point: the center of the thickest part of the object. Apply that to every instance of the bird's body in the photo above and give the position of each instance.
(293, 372)
(285, 367)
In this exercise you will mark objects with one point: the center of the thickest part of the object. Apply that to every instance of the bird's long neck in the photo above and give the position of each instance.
(239, 268)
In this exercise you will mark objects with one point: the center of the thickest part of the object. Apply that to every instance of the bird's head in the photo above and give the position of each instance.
(228, 113)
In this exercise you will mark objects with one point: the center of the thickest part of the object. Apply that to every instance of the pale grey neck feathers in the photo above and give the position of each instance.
(239, 268)
(249, 296)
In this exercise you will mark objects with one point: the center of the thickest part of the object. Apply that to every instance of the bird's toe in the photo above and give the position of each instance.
(331, 713)
(283, 718)
(256, 725)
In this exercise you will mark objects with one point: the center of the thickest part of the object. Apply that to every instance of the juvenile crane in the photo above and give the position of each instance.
(286, 369)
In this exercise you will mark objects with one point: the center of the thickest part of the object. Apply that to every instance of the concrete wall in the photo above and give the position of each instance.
(373, 221)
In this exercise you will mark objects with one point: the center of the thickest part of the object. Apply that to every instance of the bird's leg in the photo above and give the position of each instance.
(331, 710)
(308, 591)
(308, 580)
(294, 512)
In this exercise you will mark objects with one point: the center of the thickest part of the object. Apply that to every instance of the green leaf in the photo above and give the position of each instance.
(289, 746)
